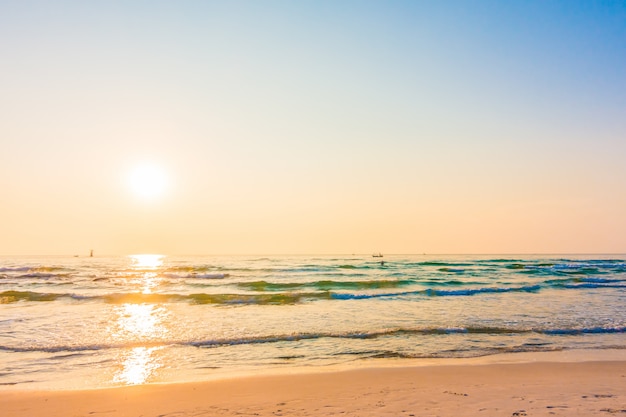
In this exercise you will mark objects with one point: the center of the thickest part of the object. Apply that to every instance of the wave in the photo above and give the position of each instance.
(264, 269)
(43, 275)
(501, 260)
(15, 269)
(8, 297)
(296, 337)
(324, 285)
(190, 268)
(198, 275)
(265, 293)
(449, 283)
(591, 286)
(439, 293)
(36, 272)
(34, 269)
(259, 299)
(590, 330)
(443, 264)
(452, 270)
(542, 266)
(552, 268)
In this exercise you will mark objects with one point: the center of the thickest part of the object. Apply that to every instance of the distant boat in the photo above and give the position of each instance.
(379, 255)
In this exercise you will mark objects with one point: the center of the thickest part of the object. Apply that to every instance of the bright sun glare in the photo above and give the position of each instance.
(147, 260)
(148, 181)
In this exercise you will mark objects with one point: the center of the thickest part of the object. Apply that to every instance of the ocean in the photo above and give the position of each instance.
(94, 322)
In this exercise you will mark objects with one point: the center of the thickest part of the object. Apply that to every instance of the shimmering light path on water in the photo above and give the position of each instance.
(95, 322)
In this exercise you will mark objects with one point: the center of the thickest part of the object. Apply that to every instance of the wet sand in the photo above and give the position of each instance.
(510, 386)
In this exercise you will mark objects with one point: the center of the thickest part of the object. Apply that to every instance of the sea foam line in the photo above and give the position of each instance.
(295, 337)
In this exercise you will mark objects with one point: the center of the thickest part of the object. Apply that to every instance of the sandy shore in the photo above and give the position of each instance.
(505, 387)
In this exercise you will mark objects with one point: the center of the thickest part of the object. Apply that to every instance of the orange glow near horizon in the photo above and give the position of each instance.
(428, 137)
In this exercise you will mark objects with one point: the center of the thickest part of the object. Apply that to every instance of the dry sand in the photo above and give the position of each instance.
(478, 388)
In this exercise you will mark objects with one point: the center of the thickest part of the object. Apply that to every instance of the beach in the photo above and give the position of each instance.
(312, 336)
(107, 322)
(539, 384)
(313, 208)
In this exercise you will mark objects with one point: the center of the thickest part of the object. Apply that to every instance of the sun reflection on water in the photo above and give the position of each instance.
(146, 261)
(139, 322)
(140, 326)
(145, 268)
(138, 366)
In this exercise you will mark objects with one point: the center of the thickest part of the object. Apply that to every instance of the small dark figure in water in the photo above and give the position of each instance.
(382, 263)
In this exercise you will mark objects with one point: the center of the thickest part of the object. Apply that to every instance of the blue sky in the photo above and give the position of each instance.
(341, 126)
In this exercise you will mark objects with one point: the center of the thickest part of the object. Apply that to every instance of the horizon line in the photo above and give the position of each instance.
(326, 254)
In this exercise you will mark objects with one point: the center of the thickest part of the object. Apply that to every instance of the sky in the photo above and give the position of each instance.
(312, 127)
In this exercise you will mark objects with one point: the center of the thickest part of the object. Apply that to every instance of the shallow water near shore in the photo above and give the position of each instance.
(101, 322)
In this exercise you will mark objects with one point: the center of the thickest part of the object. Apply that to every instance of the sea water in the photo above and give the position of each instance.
(91, 322)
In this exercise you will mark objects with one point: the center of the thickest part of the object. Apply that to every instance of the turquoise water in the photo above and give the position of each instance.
(99, 322)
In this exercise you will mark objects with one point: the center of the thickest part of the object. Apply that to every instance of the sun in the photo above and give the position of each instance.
(148, 181)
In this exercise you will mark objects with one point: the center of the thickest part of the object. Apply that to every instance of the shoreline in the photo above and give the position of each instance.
(527, 384)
